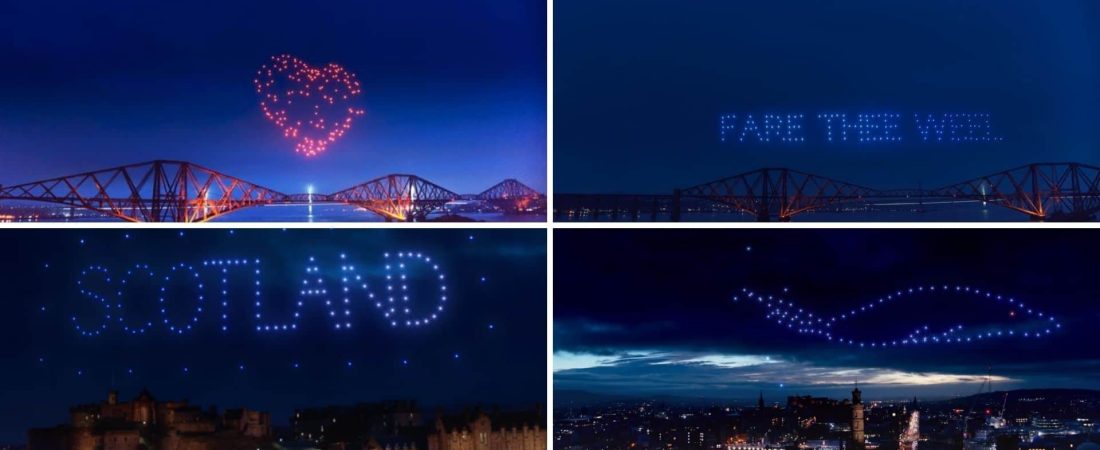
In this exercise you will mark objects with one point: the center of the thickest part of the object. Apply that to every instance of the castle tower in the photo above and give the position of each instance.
(857, 420)
(144, 408)
(112, 397)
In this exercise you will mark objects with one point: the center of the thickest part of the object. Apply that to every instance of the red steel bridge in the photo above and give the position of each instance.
(1042, 191)
(179, 191)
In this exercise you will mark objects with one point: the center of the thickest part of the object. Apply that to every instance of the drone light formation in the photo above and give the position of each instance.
(861, 128)
(1026, 322)
(336, 292)
(396, 307)
(312, 106)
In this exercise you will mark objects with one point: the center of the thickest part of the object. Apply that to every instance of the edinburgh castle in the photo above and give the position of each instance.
(144, 423)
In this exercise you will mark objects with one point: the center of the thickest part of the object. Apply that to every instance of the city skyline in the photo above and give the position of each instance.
(271, 319)
(664, 314)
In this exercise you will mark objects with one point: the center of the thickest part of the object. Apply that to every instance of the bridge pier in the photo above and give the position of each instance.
(767, 217)
(1072, 216)
(675, 205)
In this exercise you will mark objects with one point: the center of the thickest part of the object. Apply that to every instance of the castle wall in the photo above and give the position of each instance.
(194, 427)
(83, 439)
(82, 417)
(58, 438)
(121, 440)
(183, 443)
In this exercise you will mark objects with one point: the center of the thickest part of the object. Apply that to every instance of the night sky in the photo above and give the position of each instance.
(652, 312)
(639, 86)
(453, 92)
(487, 347)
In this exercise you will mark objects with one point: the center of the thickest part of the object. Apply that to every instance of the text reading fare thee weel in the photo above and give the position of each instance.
(864, 128)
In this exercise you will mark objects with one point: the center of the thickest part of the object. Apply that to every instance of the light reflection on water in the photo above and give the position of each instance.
(940, 213)
(280, 213)
(347, 213)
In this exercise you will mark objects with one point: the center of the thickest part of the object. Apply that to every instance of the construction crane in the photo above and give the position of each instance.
(984, 388)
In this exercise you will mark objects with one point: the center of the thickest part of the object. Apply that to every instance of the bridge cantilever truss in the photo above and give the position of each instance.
(779, 193)
(156, 191)
(510, 194)
(1042, 191)
(397, 197)
(178, 191)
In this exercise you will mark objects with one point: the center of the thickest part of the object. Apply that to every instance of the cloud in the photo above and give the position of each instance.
(574, 361)
(564, 360)
(724, 361)
(709, 374)
(884, 377)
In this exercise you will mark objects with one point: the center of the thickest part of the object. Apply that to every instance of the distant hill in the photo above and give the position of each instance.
(1024, 401)
(579, 397)
(1013, 395)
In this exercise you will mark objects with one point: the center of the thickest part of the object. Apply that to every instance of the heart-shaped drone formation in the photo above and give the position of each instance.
(311, 105)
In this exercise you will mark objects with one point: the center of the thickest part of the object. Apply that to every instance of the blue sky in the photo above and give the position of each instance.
(453, 93)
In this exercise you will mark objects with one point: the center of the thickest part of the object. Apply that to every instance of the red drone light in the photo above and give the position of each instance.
(311, 105)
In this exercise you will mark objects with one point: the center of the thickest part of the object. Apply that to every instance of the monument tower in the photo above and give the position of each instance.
(857, 420)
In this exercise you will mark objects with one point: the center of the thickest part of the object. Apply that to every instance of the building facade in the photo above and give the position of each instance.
(489, 431)
(390, 425)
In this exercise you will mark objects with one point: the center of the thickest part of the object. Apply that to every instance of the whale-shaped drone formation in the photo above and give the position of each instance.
(801, 320)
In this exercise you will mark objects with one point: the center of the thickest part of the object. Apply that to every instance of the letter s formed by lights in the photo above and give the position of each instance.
(338, 292)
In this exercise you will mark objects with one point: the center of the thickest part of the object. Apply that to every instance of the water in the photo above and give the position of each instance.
(348, 213)
(300, 213)
(966, 212)
(268, 213)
